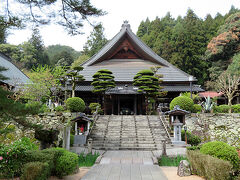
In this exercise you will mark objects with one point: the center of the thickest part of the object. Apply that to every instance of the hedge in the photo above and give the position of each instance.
(208, 166)
(222, 151)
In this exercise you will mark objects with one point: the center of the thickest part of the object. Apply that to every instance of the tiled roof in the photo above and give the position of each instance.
(16, 76)
(127, 72)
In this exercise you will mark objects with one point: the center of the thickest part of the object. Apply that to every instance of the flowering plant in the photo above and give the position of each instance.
(12, 157)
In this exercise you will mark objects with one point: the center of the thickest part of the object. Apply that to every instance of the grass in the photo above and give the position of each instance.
(170, 161)
(87, 160)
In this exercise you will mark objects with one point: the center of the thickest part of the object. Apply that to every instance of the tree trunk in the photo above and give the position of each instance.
(230, 104)
(73, 89)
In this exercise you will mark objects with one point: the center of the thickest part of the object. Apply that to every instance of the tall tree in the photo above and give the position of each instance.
(95, 41)
(37, 42)
(70, 14)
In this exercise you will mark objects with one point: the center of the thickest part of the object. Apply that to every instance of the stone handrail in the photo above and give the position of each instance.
(161, 117)
(95, 117)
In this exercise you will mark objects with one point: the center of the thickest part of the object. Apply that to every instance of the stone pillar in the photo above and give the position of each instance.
(76, 130)
(66, 138)
(177, 130)
(164, 152)
(89, 143)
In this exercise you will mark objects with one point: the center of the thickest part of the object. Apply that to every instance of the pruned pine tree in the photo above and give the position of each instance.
(74, 77)
(147, 84)
(102, 81)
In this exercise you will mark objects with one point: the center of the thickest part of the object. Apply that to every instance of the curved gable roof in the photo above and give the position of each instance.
(169, 71)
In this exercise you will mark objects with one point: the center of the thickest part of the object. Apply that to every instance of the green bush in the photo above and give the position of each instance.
(55, 153)
(193, 148)
(222, 151)
(236, 108)
(59, 108)
(197, 108)
(221, 109)
(13, 156)
(184, 102)
(208, 166)
(192, 139)
(93, 107)
(35, 171)
(41, 156)
(75, 104)
(44, 108)
(66, 164)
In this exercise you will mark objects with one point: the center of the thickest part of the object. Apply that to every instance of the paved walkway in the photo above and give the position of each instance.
(126, 165)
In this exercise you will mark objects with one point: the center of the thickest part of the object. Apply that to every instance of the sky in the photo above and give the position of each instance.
(117, 11)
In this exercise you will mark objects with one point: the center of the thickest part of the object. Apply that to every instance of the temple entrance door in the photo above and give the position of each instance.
(125, 105)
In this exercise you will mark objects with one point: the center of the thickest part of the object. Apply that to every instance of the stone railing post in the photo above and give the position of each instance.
(89, 144)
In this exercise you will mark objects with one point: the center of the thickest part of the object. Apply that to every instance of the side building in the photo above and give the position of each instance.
(125, 55)
(16, 78)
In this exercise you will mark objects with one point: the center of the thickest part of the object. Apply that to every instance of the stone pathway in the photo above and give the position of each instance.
(126, 165)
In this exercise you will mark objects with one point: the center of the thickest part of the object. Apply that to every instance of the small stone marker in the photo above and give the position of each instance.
(184, 169)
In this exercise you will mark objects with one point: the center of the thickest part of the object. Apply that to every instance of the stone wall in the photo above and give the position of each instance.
(210, 126)
(53, 120)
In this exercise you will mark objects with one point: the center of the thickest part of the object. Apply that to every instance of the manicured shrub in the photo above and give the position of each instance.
(93, 107)
(75, 104)
(66, 164)
(191, 138)
(184, 102)
(55, 153)
(222, 151)
(35, 171)
(221, 109)
(197, 108)
(12, 157)
(236, 108)
(41, 156)
(208, 166)
(59, 108)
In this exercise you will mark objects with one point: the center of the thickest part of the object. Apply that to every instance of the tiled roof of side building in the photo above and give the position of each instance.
(15, 75)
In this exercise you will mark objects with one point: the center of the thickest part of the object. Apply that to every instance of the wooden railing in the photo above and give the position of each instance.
(162, 119)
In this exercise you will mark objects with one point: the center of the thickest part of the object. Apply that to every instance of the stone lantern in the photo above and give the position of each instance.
(177, 121)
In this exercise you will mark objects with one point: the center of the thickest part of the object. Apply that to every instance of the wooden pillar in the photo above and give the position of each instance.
(135, 104)
(113, 104)
(118, 105)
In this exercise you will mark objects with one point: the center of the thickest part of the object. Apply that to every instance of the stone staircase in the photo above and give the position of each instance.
(135, 132)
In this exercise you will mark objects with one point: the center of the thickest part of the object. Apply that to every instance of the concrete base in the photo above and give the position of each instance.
(179, 143)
